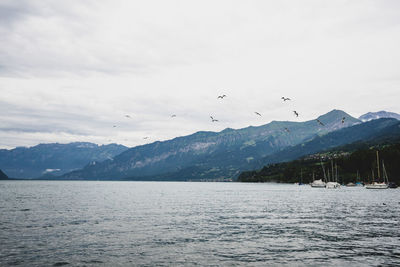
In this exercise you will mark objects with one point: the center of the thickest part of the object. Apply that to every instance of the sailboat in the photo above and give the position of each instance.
(334, 184)
(375, 183)
(319, 183)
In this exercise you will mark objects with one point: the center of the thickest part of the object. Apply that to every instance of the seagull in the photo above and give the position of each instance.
(257, 113)
(221, 96)
(295, 113)
(320, 122)
(212, 119)
(129, 117)
(114, 126)
(145, 137)
(285, 98)
(173, 116)
(343, 119)
(287, 130)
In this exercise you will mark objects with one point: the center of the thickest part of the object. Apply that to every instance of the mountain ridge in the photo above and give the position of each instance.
(217, 154)
(54, 158)
(205, 155)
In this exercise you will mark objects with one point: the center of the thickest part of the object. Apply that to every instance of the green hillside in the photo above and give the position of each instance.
(372, 131)
(351, 159)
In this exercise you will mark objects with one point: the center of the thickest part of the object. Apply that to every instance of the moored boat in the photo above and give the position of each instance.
(318, 183)
(332, 185)
(376, 184)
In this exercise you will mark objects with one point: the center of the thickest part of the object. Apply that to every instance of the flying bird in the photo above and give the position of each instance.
(173, 116)
(221, 96)
(295, 113)
(146, 137)
(114, 126)
(212, 119)
(257, 113)
(127, 116)
(285, 98)
(343, 119)
(320, 122)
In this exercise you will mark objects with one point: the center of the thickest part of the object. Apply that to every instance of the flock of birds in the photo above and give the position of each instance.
(284, 100)
(257, 113)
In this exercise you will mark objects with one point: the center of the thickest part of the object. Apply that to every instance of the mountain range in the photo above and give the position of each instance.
(46, 160)
(211, 155)
(200, 156)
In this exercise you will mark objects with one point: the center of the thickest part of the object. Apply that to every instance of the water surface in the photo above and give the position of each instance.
(55, 223)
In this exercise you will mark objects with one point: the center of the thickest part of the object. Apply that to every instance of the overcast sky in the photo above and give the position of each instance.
(71, 70)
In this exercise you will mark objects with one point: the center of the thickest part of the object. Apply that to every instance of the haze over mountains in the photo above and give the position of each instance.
(200, 156)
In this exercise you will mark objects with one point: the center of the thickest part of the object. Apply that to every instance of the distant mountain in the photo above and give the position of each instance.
(372, 130)
(54, 159)
(379, 115)
(3, 176)
(210, 155)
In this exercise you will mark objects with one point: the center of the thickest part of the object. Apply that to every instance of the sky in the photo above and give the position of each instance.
(72, 70)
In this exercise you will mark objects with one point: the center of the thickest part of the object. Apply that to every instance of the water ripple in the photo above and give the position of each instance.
(213, 224)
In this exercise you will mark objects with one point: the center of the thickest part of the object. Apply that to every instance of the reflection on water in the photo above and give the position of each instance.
(156, 223)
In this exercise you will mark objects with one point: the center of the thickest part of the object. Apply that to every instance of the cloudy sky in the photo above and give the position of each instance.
(71, 70)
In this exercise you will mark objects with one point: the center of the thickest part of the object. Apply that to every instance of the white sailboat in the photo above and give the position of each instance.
(376, 184)
(334, 184)
(319, 183)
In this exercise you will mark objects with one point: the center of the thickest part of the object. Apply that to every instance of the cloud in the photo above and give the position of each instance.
(71, 70)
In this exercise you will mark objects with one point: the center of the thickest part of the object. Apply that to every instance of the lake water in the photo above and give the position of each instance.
(54, 223)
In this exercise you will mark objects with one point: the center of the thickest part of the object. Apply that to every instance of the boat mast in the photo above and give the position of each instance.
(301, 176)
(385, 177)
(377, 162)
(373, 175)
(323, 169)
(336, 173)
